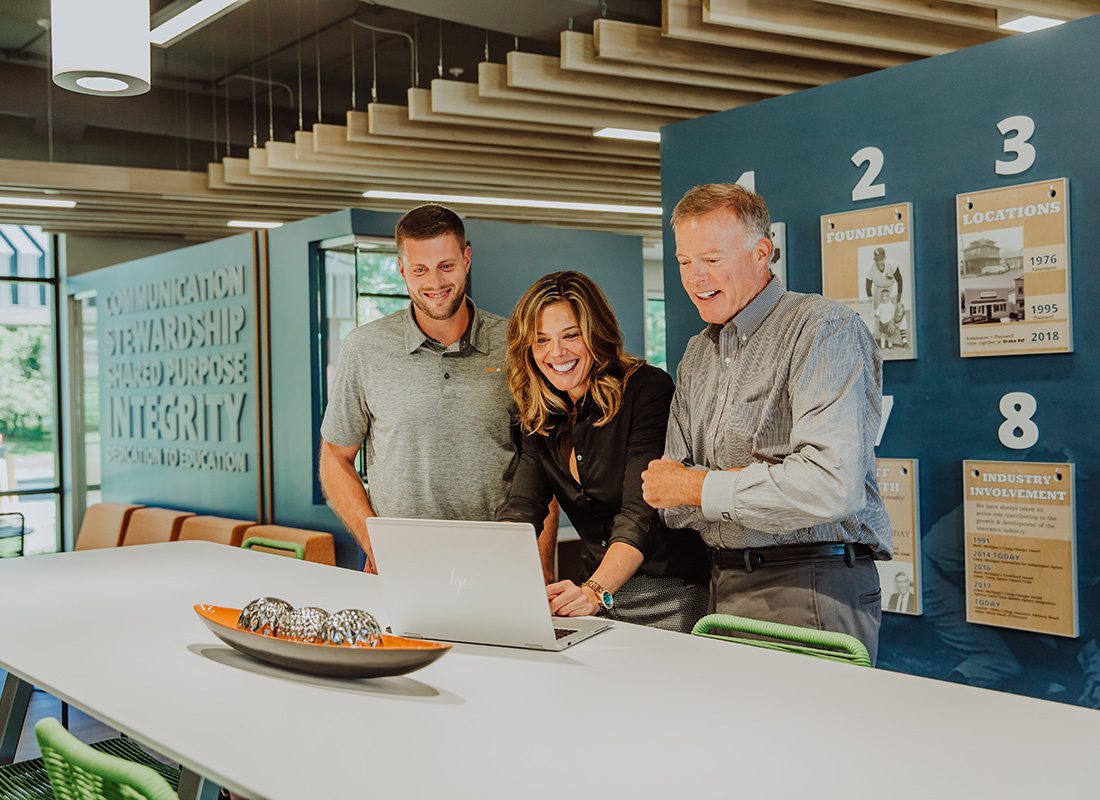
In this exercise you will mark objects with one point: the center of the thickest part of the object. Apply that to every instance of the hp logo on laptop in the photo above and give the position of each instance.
(456, 581)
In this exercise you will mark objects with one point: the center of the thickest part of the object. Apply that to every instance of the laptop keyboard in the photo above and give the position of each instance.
(561, 633)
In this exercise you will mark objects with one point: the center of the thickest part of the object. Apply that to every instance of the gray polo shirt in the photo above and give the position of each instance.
(434, 421)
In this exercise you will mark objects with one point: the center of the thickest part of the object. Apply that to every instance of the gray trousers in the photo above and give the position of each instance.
(826, 595)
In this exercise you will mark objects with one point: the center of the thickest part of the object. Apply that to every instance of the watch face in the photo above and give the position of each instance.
(607, 600)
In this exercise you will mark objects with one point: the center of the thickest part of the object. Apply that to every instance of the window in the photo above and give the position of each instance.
(29, 368)
(655, 331)
(360, 282)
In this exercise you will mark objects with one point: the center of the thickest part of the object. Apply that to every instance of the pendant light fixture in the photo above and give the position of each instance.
(100, 48)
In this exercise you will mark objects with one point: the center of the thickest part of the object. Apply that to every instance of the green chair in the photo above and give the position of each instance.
(267, 545)
(77, 772)
(81, 772)
(788, 638)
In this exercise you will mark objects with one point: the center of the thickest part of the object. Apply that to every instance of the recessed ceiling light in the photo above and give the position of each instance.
(37, 202)
(249, 223)
(627, 133)
(1024, 23)
(191, 19)
(514, 202)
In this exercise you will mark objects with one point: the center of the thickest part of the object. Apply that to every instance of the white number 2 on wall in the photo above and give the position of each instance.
(748, 180)
(867, 189)
(1022, 128)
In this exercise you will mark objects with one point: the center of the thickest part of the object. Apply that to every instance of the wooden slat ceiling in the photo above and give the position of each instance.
(523, 128)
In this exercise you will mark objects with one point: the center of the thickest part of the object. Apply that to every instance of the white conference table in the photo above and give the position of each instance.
(633, 712)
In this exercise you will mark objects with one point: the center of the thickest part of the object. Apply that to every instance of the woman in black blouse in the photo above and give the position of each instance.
(592, 419)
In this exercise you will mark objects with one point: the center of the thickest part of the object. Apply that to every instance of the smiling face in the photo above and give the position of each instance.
(435, 272)
(721, 270)
(559, 350)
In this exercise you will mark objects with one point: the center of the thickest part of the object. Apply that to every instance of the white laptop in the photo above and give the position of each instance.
(478, 582)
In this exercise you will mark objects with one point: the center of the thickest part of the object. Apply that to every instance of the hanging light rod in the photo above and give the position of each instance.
(251, 223)
(515, 202)
(171, 24)
(37, 202)
(627, 133)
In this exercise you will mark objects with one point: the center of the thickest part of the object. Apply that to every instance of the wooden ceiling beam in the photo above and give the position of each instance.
(492, 84)
(393, 121)
(644, 45)
(1062, 9)
(683, 19)
(461, 98)
(545, 74)
(283, 156)
(949, 13)
(421, 110)
(825, 22)
(337, 147)
(578, 54)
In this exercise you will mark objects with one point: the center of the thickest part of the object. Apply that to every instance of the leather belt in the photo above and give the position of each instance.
(751, 558)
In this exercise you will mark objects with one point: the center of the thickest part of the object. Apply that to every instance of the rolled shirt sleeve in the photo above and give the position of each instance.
(835, 396)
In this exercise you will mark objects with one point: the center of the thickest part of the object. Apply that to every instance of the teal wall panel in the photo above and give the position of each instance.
(178, 378)
(936, 122)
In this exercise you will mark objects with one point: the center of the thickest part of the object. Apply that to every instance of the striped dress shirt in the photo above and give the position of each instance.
(790, 390)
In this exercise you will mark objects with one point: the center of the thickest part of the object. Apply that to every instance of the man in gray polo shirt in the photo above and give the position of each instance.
(425, 391)
(770, 446)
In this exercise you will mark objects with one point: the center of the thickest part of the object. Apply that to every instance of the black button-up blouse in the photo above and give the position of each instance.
(606, 506)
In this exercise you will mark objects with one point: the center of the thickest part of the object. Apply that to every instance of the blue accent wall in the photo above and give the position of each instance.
(935, 121)
(211, 490)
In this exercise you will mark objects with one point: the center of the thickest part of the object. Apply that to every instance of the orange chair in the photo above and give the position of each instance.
(154, 525)
(104, 525)
(318, 545)
(215, 529)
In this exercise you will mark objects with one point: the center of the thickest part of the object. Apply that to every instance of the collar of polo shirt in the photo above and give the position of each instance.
(474, 335)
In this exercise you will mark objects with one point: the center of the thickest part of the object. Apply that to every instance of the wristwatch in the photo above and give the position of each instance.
(603, 597)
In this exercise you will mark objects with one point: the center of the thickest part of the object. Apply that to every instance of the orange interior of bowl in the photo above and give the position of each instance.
(227, 617)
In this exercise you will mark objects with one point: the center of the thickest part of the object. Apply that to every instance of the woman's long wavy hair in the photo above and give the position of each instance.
(535, 398)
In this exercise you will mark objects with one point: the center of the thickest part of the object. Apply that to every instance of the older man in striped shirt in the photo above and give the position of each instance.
(770, 446)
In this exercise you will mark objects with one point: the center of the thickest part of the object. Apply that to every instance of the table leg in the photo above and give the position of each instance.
(13, 713)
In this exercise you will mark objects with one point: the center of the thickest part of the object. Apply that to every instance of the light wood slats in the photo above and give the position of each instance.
(307, 145)
(492, 84)
(822, 21)
(420, 110)
(326, 139)
(457, 97)
(683, 19)
(544, 74)
(288, 156)
(644, 44)
(1064, 9)
(578, 54)
(393, 121)
(950, 13)
(445, 181)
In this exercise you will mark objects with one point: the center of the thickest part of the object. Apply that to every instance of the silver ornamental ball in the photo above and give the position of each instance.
(262, 615)
(303, 624)
(352, 626)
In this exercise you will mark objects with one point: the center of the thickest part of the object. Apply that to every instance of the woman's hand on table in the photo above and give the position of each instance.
(569, 600)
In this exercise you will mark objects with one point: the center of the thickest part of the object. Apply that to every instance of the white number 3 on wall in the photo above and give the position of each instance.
(1022, 128)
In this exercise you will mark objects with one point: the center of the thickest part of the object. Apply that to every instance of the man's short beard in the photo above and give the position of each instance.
(447, 313)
